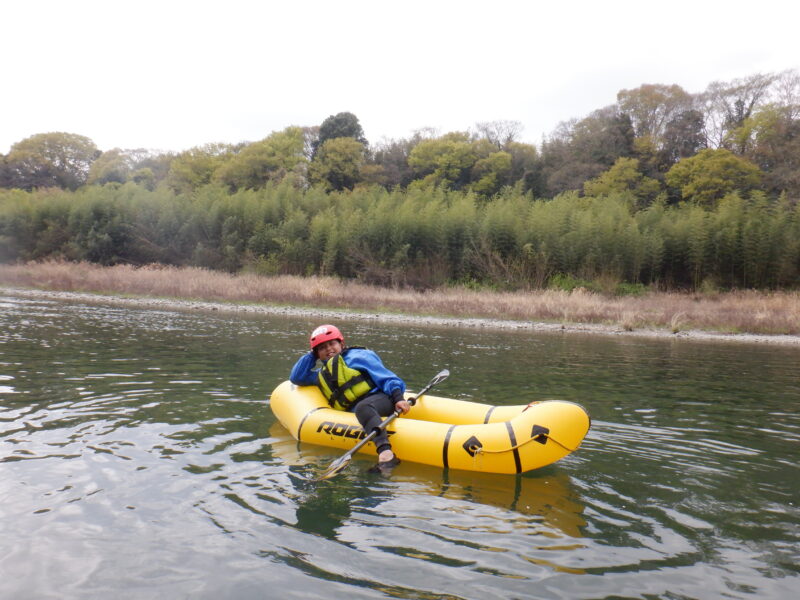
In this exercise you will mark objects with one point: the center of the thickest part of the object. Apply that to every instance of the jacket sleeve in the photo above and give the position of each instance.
(303, 372)
(368, 362)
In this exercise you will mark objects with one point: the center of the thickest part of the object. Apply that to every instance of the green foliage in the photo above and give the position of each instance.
(195, 168)
(50, 160)
(728, 106)
(340, 125)
(771, 138)
(684, 136)
(144, 177)
(445, 161)
(388, 164)
(711, 174)
(581, 150)
(603, 137)
(113, 166)
(668, 131)
(624, 176)
(651, 107)
(481, 208)
(490, 174)
(631, 289)
(568, 283)
(418, 237)
(525, 164)
(268, 160)
(338, 163)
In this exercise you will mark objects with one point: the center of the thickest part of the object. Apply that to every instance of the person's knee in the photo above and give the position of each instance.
(362, 411)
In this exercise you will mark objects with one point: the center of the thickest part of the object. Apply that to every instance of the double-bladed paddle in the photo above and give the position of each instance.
(340, 463)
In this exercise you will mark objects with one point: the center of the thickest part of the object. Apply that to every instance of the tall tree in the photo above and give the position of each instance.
(446, 160)
(684, 136)
(389, 160)
(5, 180)
(581, 150)
(310, 140)
(651, 107)
(624, 176)
(150, 167)
(525, 164)
(196, 167)
(338, 163)
(603, 137)
(728, 105)
(343, 124)
(710, 174)
(499, 133)
(490, 174)
(773, 143)
(111, 166)
(786, 92)
(56, 159)
(270, 159)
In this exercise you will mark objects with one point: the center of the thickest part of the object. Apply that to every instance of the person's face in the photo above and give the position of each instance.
(327, 349)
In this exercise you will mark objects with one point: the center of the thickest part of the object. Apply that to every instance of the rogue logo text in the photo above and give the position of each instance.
(344, 430)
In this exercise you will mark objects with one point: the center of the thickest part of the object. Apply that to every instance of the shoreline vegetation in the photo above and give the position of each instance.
(748, 316)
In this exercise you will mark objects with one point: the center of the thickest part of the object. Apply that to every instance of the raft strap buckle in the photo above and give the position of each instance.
(472, 446)
(540, 434)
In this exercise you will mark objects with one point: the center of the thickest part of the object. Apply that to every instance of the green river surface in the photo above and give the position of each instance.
(139, 459)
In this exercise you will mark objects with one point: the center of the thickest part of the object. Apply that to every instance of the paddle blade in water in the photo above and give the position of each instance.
(335, 467)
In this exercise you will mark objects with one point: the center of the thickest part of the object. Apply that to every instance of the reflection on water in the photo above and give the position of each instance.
(139, 458)
(545, 495)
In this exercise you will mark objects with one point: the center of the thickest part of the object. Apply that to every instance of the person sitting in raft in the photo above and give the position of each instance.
(353, 379)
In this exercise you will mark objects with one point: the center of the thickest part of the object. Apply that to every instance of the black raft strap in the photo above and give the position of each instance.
(331, 381)
(353, 382)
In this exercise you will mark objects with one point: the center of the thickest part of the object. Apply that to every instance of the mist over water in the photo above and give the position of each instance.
(139, 459)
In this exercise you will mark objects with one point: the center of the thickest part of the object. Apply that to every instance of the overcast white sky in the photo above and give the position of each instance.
(172, 74)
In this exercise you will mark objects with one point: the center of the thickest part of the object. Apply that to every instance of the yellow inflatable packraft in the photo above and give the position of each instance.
(443, 432)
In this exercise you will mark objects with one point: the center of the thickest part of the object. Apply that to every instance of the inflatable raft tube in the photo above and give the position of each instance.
(443, 432)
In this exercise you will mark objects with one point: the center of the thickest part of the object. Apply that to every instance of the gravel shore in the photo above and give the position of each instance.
(565, 328)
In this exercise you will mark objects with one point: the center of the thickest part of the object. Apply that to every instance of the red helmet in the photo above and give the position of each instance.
(324, 333)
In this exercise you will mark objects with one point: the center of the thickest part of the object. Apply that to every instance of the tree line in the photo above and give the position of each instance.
(661, 188)
(656, 140)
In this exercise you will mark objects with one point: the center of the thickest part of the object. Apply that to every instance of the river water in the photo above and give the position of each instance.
(139, 459)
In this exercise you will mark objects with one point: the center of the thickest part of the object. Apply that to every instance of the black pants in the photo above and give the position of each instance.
(369, 412)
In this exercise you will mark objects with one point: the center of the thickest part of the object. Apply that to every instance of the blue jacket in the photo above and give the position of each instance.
(361, 359)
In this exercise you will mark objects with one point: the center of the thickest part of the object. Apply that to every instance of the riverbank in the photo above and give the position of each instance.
(750, 317)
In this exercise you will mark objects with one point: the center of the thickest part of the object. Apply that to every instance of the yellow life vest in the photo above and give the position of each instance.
(343, 386)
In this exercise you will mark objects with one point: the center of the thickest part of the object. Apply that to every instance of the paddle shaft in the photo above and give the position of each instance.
(374, 432)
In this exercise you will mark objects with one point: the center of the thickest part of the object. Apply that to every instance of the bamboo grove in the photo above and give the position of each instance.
(421, 237)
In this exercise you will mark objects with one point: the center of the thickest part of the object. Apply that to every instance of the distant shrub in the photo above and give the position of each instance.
(568, 283)
(631, 289)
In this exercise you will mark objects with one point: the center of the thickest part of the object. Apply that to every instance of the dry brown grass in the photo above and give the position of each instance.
(735, 312)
